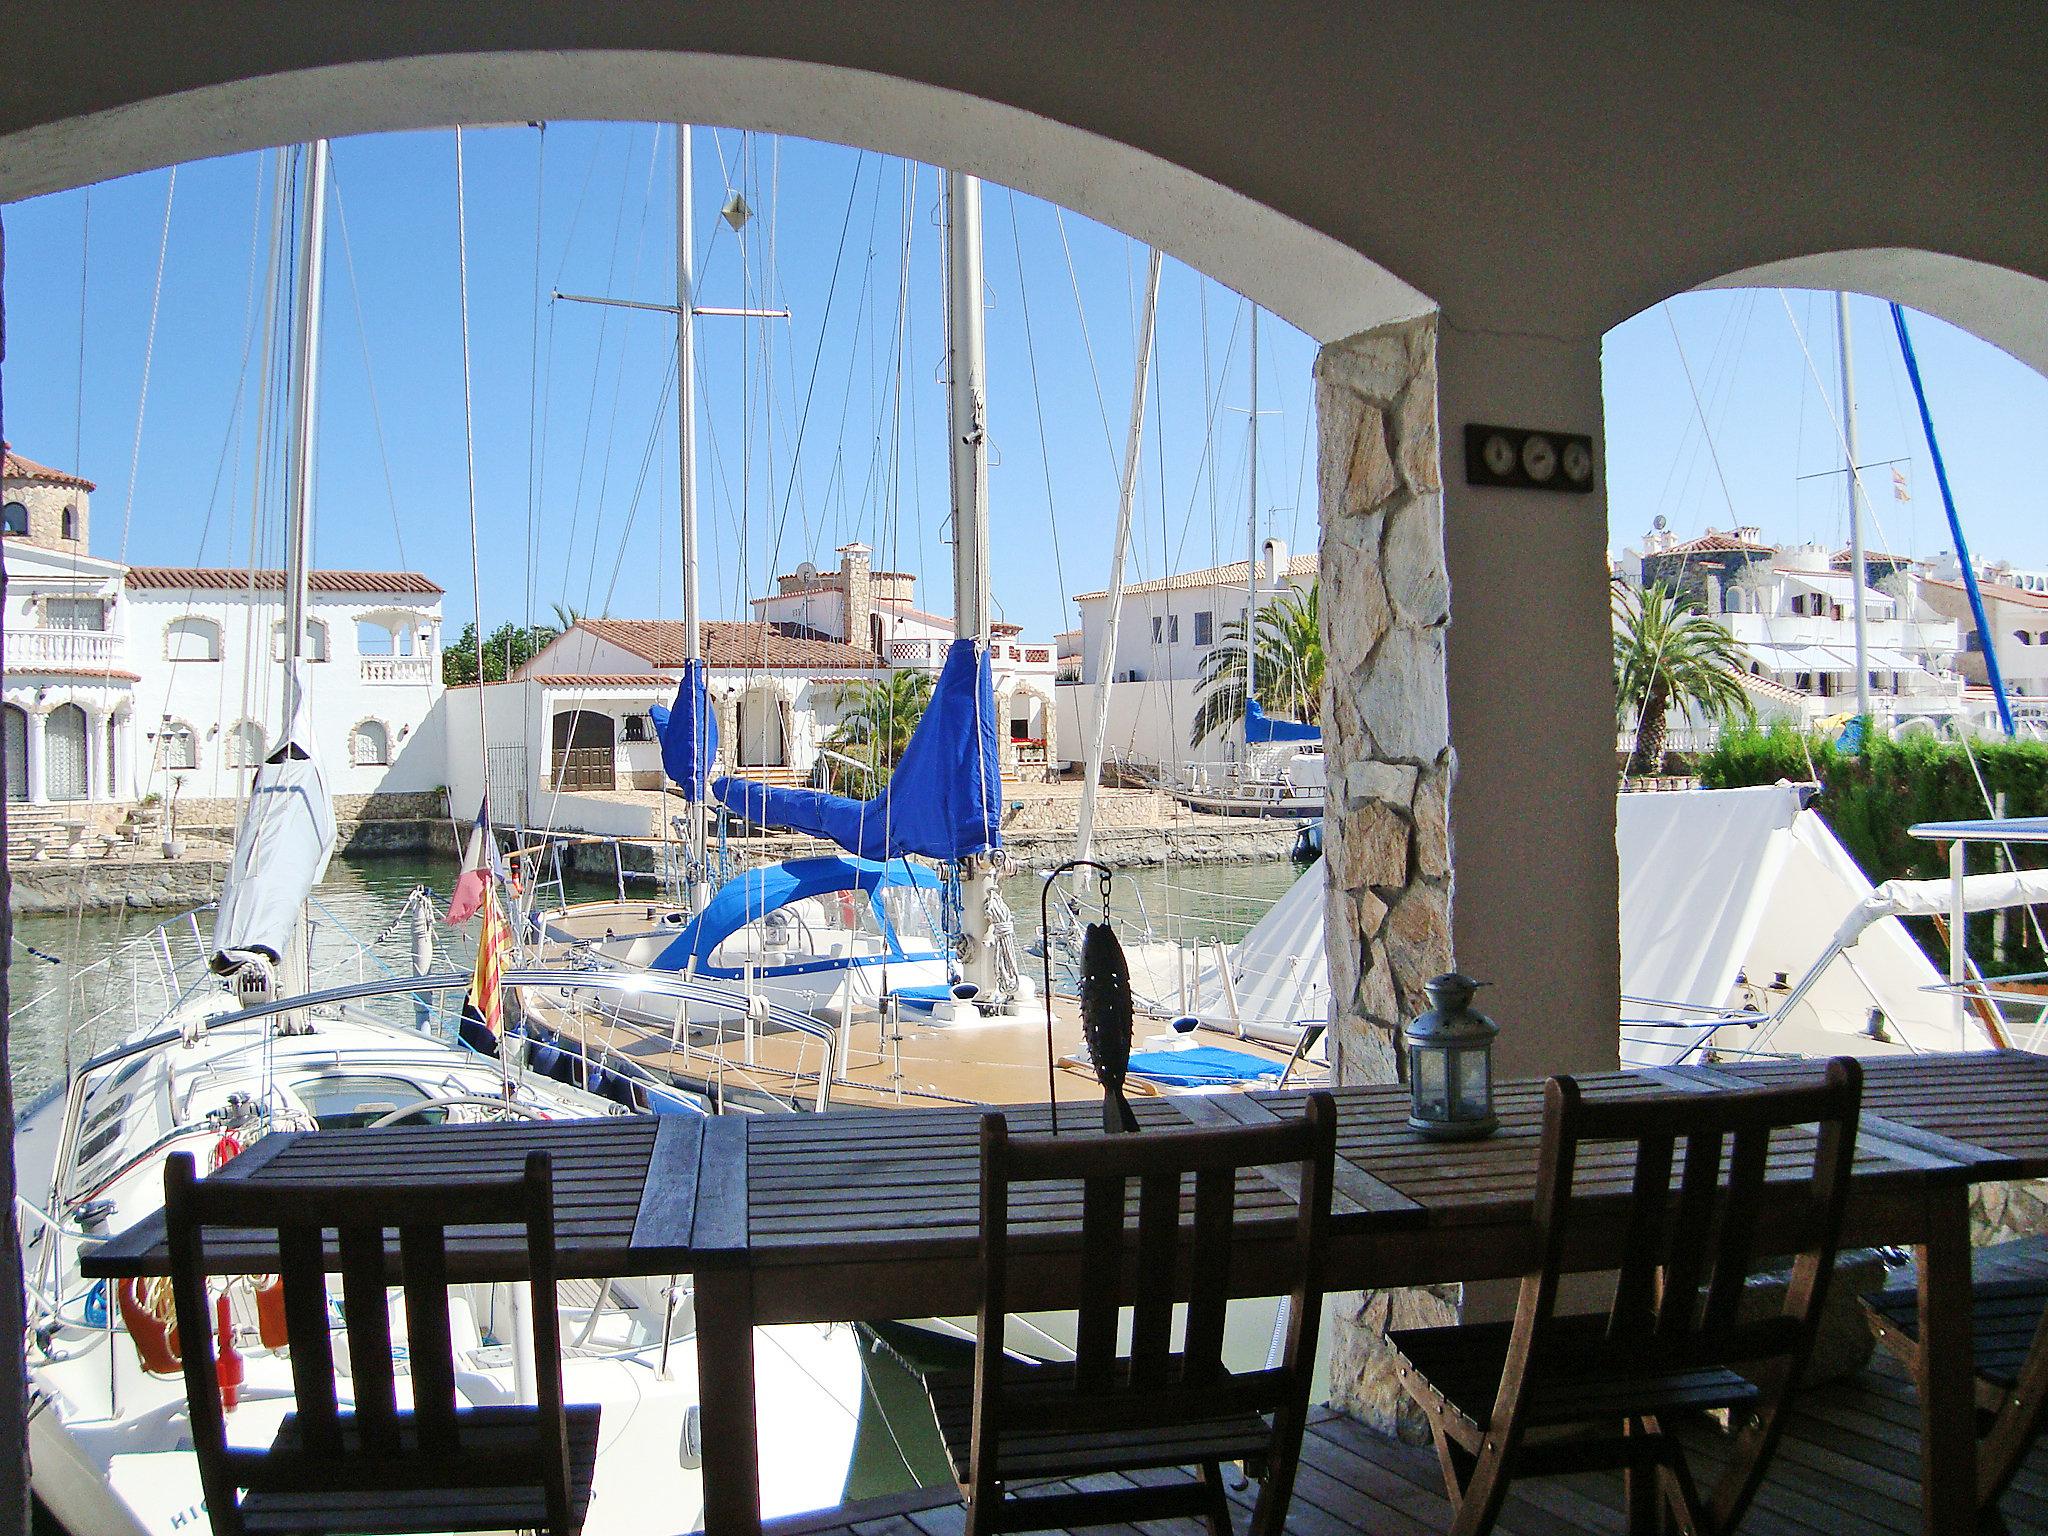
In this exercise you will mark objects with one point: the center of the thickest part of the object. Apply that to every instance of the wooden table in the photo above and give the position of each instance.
(872, 1214)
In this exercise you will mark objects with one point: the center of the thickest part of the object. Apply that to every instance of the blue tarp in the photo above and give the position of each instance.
(945, 799)
(688, 733)
(1203, 1066)
(1259, 726)
(752, 896)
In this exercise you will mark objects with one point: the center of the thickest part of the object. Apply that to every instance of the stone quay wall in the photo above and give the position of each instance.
(1385, 606)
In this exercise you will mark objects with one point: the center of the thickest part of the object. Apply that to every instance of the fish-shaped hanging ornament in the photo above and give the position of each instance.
(1106, 1021)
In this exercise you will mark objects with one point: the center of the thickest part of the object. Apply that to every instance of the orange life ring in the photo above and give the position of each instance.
(225, 1151)
(151, 1321)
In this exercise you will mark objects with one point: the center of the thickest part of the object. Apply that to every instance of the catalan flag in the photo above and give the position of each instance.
(493, 951)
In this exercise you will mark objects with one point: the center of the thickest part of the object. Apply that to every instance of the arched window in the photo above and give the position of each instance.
(369, 744)
(177, 747)
(67, 524)
(192, 639)
(245, 745)
(14, 518)
(316, 640)
(66, 774)
(17, 751)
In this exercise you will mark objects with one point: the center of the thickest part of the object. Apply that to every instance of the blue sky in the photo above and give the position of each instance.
(823, 427)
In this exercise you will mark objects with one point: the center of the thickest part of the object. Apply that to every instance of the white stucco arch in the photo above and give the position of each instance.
(1300, 274)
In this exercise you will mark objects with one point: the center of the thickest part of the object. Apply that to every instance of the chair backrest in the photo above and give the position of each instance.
(1691, 1243)
(1153, 1385)
(301, 1213)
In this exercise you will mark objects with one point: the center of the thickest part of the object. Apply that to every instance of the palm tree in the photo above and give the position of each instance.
(1287, 666)
(881, 715)
(1669, 654)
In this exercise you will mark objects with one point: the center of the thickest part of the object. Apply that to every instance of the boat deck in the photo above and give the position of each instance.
(1847, 1467)
(1000, 1059)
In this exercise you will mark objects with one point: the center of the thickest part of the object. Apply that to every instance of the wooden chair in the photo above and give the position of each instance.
(2009, 1349)
(1548, 1394)
(1008, 1422)
(376, 1468)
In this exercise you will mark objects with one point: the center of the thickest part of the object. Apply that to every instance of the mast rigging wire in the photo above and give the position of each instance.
(156, 299)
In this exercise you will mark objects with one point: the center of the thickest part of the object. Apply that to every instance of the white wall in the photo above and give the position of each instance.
(1137, 652)
(246, 684)
(1146, 720)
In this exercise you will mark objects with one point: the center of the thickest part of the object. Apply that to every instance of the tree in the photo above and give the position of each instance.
(1668, 654)
(879, 716)
(509, 647)
(1287, 666)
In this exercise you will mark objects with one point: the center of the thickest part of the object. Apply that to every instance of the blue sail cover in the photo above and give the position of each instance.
(1259, 726)
(749, 897)
(688, 733)
(945, 799)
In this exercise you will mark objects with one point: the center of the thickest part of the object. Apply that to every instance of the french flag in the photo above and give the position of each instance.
(477, 861)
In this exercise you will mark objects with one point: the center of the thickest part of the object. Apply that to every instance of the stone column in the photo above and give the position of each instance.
(1385, 605)
(37, 788)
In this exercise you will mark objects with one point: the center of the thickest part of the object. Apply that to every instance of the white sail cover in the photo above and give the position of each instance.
(1935, 898)
(1725, 887)
(1278, 972)
(1696, 870)
(281, 848)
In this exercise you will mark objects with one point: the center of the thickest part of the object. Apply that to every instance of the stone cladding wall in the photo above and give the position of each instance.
(1385, 605)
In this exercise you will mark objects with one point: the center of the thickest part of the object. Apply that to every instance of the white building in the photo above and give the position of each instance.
(1792, 610)
(1167, 626)
(124, 681)
(573, 721)
(571, 726)
(878, 610)
(2018, 620)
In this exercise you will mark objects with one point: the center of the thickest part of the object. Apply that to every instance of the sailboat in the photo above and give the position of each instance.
(252, 1048)
(900, 939)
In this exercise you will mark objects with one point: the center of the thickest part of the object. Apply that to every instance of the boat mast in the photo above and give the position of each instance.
(966, 414)
(1251, 521)
(1856, 565)
(1091, 777)
(305, 393)
(686, 452)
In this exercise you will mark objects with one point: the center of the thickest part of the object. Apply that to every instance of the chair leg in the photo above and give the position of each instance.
(1218, 1512)
(1276, 1488)
(1683, 1511)
(981, 1510)
(1485, 1491)
(1642, 1490)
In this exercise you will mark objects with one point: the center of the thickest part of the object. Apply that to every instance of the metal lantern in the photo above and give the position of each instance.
(1450, 1063)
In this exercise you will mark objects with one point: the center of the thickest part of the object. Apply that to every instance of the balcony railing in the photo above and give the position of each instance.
(29, 648)
(397, 669)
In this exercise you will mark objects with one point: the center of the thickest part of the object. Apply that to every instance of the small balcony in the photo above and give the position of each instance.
(29, 649)
(397, 669)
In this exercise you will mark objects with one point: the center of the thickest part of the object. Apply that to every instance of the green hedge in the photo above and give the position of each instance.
(1871, 798)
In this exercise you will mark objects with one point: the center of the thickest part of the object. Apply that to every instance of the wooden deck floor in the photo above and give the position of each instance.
(1847, 1467)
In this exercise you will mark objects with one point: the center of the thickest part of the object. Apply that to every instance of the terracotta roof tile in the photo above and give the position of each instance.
(15, 467)
(160, 578)
(1713, 542)
(1996, 592)
(601, 680)
(729, 643)
(1299, 568)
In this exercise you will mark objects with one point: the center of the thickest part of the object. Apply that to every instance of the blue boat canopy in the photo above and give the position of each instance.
(688, 733)
(1262, 727)
(945, 799)
(752, 896)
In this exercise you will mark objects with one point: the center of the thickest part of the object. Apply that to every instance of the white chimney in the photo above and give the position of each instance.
(1276, 562)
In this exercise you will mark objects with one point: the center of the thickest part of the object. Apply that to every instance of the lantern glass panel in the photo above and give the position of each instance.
(1432, 1091)
(1473, 1096)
